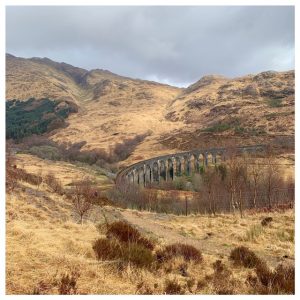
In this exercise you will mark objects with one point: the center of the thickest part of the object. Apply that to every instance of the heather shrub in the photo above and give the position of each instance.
(107, 249)
(127, 252)
(219, 267)
(284, 279)
(222, 279)
(138, 255)
(68, 284)
(172, 287)
(264, 274)
(266, 221)
(42, 288)
(243, 256)
(279, 281)
(188, 252)
(124, 232)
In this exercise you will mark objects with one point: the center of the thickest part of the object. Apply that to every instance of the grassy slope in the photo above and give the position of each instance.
(44, 242)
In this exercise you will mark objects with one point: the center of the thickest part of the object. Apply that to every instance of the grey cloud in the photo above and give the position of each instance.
(172, 44)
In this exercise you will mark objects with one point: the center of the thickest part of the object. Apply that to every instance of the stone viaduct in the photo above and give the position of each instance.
(167, 167)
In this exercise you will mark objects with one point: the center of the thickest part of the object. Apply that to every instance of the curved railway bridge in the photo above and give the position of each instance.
(168, 167)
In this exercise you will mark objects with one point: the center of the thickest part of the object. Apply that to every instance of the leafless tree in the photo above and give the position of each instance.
(236, 178)
(150, 199)
(82, 198)
(255, 173)
(233, 173)
(211, 182)
(241, 183)
(272, 177)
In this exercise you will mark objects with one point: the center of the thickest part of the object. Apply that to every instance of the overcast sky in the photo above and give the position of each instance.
(175, 45)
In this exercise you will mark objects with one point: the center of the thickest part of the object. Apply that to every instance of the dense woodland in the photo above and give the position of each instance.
(24, 118)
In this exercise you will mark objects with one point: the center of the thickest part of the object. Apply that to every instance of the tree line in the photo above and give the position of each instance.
(239, 183)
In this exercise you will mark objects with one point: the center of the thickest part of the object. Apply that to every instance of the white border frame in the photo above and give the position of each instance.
(5, 3)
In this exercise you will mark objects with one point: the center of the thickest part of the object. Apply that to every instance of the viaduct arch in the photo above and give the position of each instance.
(168, 167)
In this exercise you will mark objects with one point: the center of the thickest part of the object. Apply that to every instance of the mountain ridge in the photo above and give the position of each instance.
(255, 108)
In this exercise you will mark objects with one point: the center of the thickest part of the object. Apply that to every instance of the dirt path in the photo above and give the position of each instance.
(147, 223)
(209, 245)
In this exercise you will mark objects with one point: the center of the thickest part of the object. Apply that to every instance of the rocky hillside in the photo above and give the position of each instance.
(250, 103)
(213, 111)
(251, 108)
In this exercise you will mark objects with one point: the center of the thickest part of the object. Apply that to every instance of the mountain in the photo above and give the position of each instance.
(253, 108)
(42, 77)
(211, 112)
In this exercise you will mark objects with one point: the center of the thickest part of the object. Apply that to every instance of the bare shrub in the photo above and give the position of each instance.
(188, 252)
(150, 199)
(54, 184)
(15, 174)
(126, 195)
(29, 178)
(243, 256)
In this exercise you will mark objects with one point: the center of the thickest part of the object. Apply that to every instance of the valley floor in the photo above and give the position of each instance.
(44, 242)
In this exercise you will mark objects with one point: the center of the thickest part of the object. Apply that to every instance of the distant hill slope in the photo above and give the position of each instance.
(214, 110)
(253, 108)
(245, 103)
(42, 77)
(32, 78)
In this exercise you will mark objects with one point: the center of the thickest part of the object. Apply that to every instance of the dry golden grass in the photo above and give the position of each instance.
(218, 235)
(26, 79)
(63, 171)
(44, 242)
